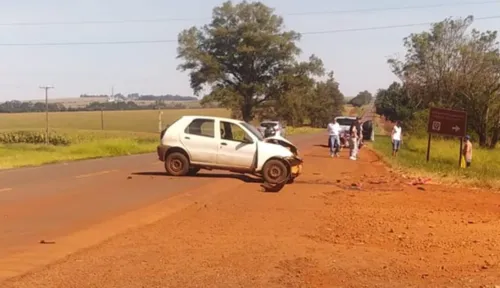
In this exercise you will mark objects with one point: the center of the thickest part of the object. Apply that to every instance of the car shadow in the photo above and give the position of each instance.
(241, 177)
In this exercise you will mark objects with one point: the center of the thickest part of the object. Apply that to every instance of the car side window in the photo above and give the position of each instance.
(233, 132)
(201, 127)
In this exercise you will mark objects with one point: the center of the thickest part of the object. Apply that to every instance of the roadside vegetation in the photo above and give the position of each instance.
(443, 164)
(27, 148)
(450, 66)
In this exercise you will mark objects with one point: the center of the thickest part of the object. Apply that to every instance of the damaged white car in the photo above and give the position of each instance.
(202, 142)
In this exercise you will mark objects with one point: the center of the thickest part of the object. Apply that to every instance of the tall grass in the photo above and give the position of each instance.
(444, 156)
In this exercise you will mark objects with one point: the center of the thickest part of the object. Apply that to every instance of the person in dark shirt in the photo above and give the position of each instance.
(269, 132)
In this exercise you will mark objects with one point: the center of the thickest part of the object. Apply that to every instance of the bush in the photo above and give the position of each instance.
(33, 137)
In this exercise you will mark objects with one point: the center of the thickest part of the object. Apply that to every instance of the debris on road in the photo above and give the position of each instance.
(420, 181)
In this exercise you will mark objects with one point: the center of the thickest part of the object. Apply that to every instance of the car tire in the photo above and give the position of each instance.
(275, 172)
(177, 164)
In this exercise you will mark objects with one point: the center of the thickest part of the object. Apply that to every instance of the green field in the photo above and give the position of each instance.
(137, 121)
(485, 169)
(78, 135)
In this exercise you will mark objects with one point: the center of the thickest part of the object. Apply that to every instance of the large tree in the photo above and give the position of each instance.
(325, 102)
(394, 104)
(453, 67)
(363, 98)
(244, 57)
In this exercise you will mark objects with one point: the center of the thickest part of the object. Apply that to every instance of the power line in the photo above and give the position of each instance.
(171, 40)
(159, 20)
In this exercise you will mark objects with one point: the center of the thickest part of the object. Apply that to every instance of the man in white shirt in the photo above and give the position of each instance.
(334, 133)
(397, 137)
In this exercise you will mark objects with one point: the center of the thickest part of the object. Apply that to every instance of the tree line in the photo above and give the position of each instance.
(137, 96)
(26, 107)
(449, 66)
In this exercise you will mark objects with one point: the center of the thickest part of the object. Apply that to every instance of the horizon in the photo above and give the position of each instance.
(359, 61)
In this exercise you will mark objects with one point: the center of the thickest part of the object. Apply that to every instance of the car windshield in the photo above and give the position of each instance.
(345, 121)
(268, 124)
(253, 130)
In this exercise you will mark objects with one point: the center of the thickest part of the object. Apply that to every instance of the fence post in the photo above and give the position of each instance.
(102, 119)
(160, 126)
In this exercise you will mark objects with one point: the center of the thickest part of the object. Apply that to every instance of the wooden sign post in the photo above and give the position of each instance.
(447, 123)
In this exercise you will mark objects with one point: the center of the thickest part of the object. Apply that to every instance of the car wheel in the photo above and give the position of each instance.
(193, 171)
(275, 172)
(177, 164)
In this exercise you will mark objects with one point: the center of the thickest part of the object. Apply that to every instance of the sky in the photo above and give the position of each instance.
(358, 59)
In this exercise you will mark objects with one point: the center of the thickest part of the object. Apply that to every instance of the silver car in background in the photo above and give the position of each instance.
(276, 125)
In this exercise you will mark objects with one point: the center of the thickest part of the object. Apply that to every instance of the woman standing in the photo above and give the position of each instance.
(354, 136)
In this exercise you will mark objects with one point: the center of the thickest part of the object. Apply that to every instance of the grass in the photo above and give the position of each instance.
(126, 133)
(84, 145)
(443, 164)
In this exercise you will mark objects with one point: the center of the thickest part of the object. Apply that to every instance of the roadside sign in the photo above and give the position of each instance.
(447, 122)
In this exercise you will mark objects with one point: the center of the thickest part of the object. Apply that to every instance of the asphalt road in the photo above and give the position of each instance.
(49, 202)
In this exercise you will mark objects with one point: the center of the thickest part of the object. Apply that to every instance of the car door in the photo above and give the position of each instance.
(200, 142)
(236, 147)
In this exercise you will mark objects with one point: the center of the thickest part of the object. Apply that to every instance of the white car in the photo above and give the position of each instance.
(345, 123)
(276, 125)
(203, 142)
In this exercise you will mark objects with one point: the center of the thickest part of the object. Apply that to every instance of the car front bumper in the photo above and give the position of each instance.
(295, 165)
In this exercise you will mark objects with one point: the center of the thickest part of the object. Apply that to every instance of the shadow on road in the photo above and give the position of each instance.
(241, 177)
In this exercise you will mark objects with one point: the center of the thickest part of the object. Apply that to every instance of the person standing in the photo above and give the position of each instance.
(354, 145)
(359, 127)
(397, 137)
(334, 134)
(467, 151)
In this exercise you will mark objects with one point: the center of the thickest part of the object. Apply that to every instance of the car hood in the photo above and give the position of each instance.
(283, 142)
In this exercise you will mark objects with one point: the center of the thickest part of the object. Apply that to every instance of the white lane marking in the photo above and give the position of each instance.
(5, 189)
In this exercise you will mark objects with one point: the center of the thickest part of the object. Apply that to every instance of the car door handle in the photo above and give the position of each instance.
(187, 138)
(223, 144)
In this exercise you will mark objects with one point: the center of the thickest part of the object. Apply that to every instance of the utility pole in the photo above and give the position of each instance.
(46, 88)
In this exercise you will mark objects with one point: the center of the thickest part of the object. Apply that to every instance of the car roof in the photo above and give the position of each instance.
(211, 118)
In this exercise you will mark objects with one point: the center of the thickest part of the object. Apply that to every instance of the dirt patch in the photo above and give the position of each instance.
(342, 224)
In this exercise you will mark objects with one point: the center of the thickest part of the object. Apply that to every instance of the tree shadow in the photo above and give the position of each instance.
(241, 177)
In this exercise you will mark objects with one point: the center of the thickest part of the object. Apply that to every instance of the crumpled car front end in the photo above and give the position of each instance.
(294, 161)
